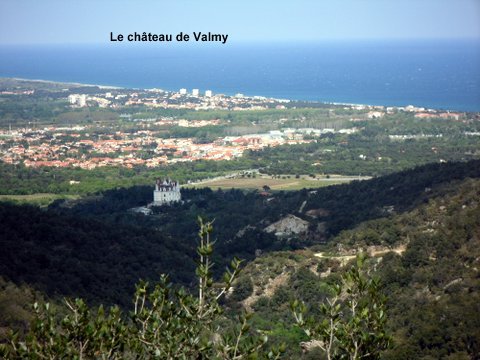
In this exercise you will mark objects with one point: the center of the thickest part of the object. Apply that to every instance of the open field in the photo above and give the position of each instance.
(40, 199)
(282, 183)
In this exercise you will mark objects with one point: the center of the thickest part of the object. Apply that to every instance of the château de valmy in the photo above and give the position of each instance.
(166, 192)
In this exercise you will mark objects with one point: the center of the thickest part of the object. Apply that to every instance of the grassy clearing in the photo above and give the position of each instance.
(275, 184)
(40, 199)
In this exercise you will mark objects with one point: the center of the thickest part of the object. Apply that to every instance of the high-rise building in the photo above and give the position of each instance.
(195, 92)
(183, 91)
(82, 100)
(78, 99)
(72, 99)
(208, 93)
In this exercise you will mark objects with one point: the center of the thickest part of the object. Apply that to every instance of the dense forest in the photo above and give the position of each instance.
(419, 227)
(68, 255)
(79, 246)
(339, 207)
(430, 280)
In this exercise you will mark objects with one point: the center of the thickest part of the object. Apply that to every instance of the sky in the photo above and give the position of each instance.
(89, 21)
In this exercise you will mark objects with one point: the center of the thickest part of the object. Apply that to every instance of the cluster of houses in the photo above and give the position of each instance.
(80, 146)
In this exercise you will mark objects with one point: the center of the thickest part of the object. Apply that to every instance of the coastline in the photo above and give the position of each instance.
(334, 103)
(66, 83)
(428, 74)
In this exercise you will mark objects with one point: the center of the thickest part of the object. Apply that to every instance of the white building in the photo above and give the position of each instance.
(72, 99)
(195, 92)
(82, 100)
(208, 93)
(76, 99)
(166, 192)
(375, 114)
(183, 91)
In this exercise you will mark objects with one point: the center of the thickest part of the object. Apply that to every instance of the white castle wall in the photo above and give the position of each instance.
(166, 193)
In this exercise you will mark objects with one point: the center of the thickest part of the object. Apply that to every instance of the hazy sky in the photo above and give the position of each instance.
(88, 21)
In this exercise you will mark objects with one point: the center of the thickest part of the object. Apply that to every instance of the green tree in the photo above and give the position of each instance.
(166, 323)
(354, 320)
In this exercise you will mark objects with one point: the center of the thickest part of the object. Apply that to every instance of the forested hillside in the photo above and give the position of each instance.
(336, 208)
(427, 261)
(97, 249)
(421, 228)
(72, 256)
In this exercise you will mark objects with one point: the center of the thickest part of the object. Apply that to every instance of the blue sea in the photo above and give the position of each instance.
(434, 74)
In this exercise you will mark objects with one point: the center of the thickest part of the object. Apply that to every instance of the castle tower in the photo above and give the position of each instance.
(166, 192)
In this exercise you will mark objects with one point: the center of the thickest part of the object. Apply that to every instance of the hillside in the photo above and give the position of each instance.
(97, 249)
(72, 256)
(334, 208)
(427, 260)
(250, 221)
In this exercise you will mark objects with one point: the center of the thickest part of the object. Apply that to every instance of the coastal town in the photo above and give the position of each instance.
(94, 145)
(76, 147)
(183, 99)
